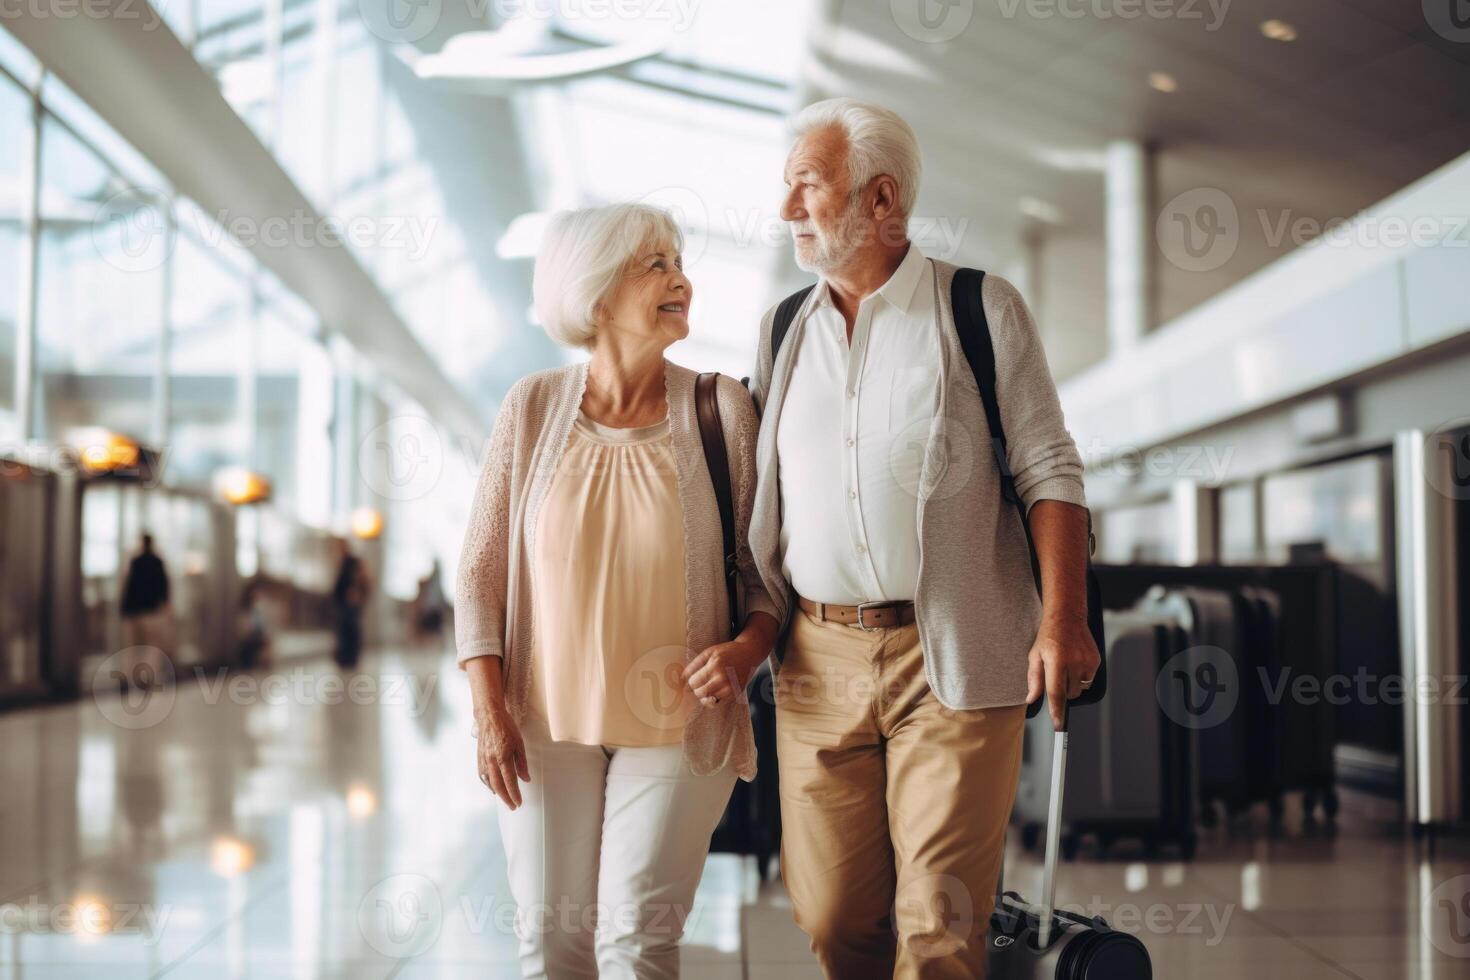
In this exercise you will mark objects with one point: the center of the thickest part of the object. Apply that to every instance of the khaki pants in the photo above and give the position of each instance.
(893, 806)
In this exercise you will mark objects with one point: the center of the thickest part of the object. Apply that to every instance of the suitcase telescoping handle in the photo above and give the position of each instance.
(1045, 910)
(1053, 831)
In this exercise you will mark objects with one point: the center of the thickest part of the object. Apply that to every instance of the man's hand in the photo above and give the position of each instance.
(718, 673)
(1061, 660)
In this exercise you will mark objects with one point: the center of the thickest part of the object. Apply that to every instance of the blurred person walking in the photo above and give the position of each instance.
(349, 595)
(147, 617)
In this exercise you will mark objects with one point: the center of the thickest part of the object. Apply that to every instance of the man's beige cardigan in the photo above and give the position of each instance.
(493, 600)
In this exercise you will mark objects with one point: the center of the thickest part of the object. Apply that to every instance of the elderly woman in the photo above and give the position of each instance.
(592, 614)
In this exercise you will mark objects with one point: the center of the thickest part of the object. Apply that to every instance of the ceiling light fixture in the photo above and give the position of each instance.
(1161, 81)
(1278, 30)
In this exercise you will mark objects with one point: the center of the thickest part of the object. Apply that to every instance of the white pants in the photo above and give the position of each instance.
(604, 855)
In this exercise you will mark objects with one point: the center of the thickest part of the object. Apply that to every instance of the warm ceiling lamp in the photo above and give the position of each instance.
(230, 856)
(102, 451)
(1278, 30)
(367, 523)
(1161, 81)
(237, 485)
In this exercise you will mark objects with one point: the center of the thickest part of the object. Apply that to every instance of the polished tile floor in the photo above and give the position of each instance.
(285, 824)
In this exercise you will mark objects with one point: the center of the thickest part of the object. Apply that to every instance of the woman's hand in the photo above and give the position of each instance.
(500, 755)
(723, 669)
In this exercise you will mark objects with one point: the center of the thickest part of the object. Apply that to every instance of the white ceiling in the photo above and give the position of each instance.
(1367, 99)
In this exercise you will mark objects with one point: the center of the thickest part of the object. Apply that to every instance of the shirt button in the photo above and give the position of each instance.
(851, 392)
(852, 442)
(852, 494)
(862, 549)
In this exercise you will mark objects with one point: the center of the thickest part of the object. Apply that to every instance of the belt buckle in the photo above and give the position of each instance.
(863, 605)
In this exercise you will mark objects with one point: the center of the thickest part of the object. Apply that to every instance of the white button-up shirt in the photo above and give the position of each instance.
(851, 441)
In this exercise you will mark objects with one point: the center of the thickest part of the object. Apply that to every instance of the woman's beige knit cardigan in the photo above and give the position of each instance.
(493, 596)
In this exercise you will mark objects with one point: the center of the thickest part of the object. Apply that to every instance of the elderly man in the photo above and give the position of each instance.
(913, 634)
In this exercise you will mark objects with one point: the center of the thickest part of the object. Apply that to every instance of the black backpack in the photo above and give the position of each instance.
(974, 335)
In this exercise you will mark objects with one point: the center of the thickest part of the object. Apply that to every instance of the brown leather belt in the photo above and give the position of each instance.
(881, 615)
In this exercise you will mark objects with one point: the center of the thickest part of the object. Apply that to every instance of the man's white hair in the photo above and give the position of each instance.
(878, 142)
(584, 254)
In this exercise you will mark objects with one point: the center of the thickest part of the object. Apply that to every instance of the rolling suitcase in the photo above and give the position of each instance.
(1037, 940)
(1132, 774)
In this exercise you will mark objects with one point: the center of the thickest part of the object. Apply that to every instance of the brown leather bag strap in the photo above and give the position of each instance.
(712, 434)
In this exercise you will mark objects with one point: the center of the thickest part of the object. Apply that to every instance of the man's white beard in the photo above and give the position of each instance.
(828, 253)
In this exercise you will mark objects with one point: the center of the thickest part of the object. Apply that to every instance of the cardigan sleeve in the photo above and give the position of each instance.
(480, 587)
(737, 414)
(1042, 456)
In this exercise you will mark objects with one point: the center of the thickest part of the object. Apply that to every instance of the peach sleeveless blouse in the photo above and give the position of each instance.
(608, 575)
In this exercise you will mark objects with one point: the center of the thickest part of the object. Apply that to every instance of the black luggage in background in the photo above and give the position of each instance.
(1132, 773)
(1287, 620)
(1233, 749)
(752, 820)
(1033, 940)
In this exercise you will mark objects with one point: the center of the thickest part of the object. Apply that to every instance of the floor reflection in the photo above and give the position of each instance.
(296, 822)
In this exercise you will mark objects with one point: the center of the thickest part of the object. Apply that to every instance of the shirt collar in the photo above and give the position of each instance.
(900, 288)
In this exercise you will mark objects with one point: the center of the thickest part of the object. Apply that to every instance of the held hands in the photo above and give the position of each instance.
(1063, 661)
(500, 754)
(721, 672)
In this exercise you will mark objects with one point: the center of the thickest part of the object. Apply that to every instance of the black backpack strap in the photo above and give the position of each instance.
(974, 333)
(973, 328)
(785, 315)
(781, 322)
(712, 435)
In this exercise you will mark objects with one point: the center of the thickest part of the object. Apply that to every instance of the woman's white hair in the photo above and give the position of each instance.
(878, 142)
(584, 253)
